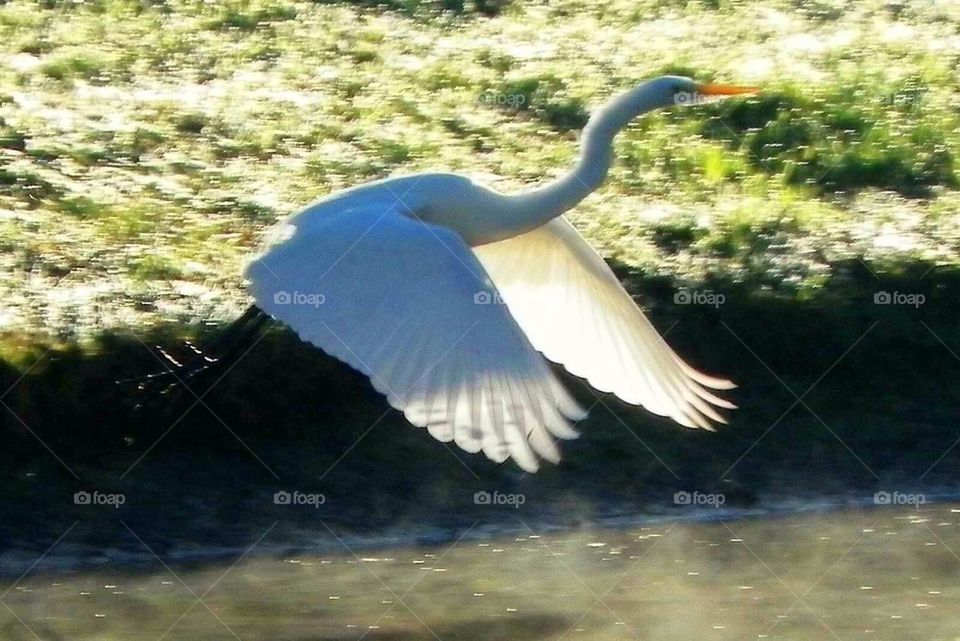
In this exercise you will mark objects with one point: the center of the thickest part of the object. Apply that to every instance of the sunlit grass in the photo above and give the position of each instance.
(184, 130)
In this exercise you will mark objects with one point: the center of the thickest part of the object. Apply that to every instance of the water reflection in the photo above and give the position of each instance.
(887, 573)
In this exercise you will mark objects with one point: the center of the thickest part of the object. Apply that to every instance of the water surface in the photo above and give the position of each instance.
(879, 574)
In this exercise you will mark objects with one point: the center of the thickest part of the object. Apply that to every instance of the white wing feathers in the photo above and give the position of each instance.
(572, 308)
(410, 306)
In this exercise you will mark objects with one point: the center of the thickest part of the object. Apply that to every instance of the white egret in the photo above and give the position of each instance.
(443, 291)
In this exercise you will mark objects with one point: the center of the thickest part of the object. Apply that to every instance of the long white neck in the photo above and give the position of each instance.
(529, 210)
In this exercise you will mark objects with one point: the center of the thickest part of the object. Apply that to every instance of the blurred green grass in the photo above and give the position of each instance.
(146, 146)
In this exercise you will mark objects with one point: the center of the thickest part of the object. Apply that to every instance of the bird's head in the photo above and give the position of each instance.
(669, 91)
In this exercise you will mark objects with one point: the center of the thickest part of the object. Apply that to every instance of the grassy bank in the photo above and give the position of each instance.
(146, 147)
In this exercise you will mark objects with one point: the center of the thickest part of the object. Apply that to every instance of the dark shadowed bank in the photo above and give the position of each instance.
(841, 396)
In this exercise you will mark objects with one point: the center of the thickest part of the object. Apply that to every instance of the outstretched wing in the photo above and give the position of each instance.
(572, 308)
(408, 304)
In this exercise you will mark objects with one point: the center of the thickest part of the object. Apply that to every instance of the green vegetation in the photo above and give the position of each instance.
(146, 146)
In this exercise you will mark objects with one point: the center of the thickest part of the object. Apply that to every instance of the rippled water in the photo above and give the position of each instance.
(877, 574)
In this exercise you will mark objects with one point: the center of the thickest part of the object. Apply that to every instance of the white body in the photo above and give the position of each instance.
(442, 291)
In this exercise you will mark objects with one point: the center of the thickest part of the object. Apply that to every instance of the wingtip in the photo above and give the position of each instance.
(717, 383)
(530, 467)
(727, 405)
(572, 410)
(712, 382)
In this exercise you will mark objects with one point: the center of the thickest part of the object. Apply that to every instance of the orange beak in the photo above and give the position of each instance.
(725, 90)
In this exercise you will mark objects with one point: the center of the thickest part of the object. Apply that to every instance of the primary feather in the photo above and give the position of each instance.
(572, 308)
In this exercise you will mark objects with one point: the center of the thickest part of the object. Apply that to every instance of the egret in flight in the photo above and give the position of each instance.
(445, 293)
